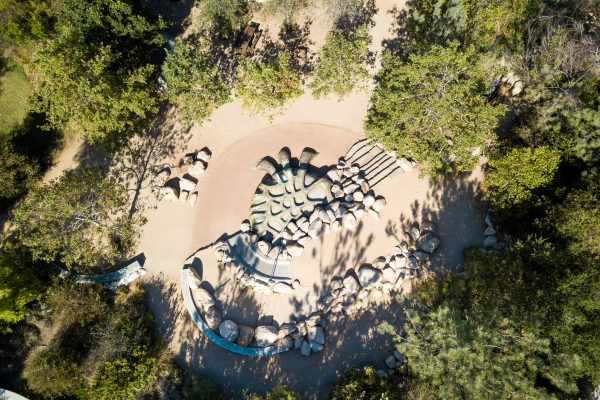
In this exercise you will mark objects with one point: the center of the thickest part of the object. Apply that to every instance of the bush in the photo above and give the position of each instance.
(433, 109)
(19, 286)
(279, 392)
(80, 219)
(342, 62)
(513, 177)
(221, 17)
(17, 171)
(362, 384)
(193, 83)
(267, 86)
(54, 372)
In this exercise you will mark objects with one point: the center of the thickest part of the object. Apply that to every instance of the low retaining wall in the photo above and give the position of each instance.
(212, 335)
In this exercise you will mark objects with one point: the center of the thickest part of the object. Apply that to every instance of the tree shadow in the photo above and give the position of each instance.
(363, 15)
(397, 44)
(146, 154)
(294, 39)
(175, 12)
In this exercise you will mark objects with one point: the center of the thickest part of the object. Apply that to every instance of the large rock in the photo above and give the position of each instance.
(286, 342)
(428, 243)
(264, 246)
(389, 275)
(411, 262)
(197, 168)
(295, 249)
(193, 278)
(203, 155)
(315, 347)
(282, 288)
(489, 241)
(349, 221)
(305, 349)
(316, 334)
(228, 330)
(369, 276)
(286, 329)
(213, 318)
(245, 226)
(245, 335)
(336, 283)
(351, 284)
(315, 228)
(379, 204)
(203, 297)
(404, 164)
(265, 335)
(390, 362)
(169, 193)
(489, 231)
(186, 184)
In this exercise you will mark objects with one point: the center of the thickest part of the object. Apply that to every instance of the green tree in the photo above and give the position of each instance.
(94, 77)
(472, 358)
(221, 17)
(267, 86)
(193, 83)
(54, 372)
(24, 21)
(17, 171)
(278, 392)
(513, 177)
(361, 384)
(342, 62)
(433, 108)
(80, 219)
(19, 286)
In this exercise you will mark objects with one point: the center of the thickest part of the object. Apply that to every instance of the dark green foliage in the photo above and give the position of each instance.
(200, 389)
(22, 21)
(193, 82)
(19, 286)
(17, 171)
(267, 86)
(221, 18)
(102, 346)
(513, 177)
(94, 76)
(362, 384)
(81, 220)
(433, 108)
(342, 63)
(279, 392)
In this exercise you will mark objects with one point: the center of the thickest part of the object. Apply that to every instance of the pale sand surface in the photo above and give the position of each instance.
(237, 139)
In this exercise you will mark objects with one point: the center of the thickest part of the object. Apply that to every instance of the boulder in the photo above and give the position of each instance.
(197, 168)
(313, 319)
(169, 193)
(314, 229)
(358, 195)
(286, 329)
(427, 226)
(161, 177)
(192, 198)
(398, 356)
(245, 226)
(489, 241)
(316, 334)
(428, 243)
(374, 214)
(381, 374)
(282, 288)
(411, 262)
(193, 278)
(305, 348)
(349, 221)
(404, 164)
(369, 200)
(213, 318)
(369, 276)
(186, 184)
(421, 256)
(296, 284)
(375, 294)
(359, 212)
(203, 155)
(489, 231)
(414, 232)
(286, 342)
(400, 262)
(245, 335)
(203, 297)
(265, 335)
(264, 246)
(262, 287)
(348, 189)
(389, 275)
(183, 196)
(228, 330)
(295, 249)
(351, 284)
(390, 362)
(315, 347)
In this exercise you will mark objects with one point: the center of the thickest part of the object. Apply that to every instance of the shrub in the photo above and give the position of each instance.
(267, 86)
(361, 384)
(193, 83)
(342, 62)
(433, 108)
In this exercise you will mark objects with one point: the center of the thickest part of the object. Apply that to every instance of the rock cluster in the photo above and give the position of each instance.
(183, 187)
(393, 363)
(490, 235)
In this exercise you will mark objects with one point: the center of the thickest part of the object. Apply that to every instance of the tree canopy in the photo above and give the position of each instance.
(434, 109)
(342, 62)
(193, 82)
(80, 219)
(94, 76)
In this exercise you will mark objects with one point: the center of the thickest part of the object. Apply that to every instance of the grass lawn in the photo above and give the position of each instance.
(14, 89)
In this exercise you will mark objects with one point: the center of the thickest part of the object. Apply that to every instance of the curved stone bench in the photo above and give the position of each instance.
(212, 335)
(101, 278)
